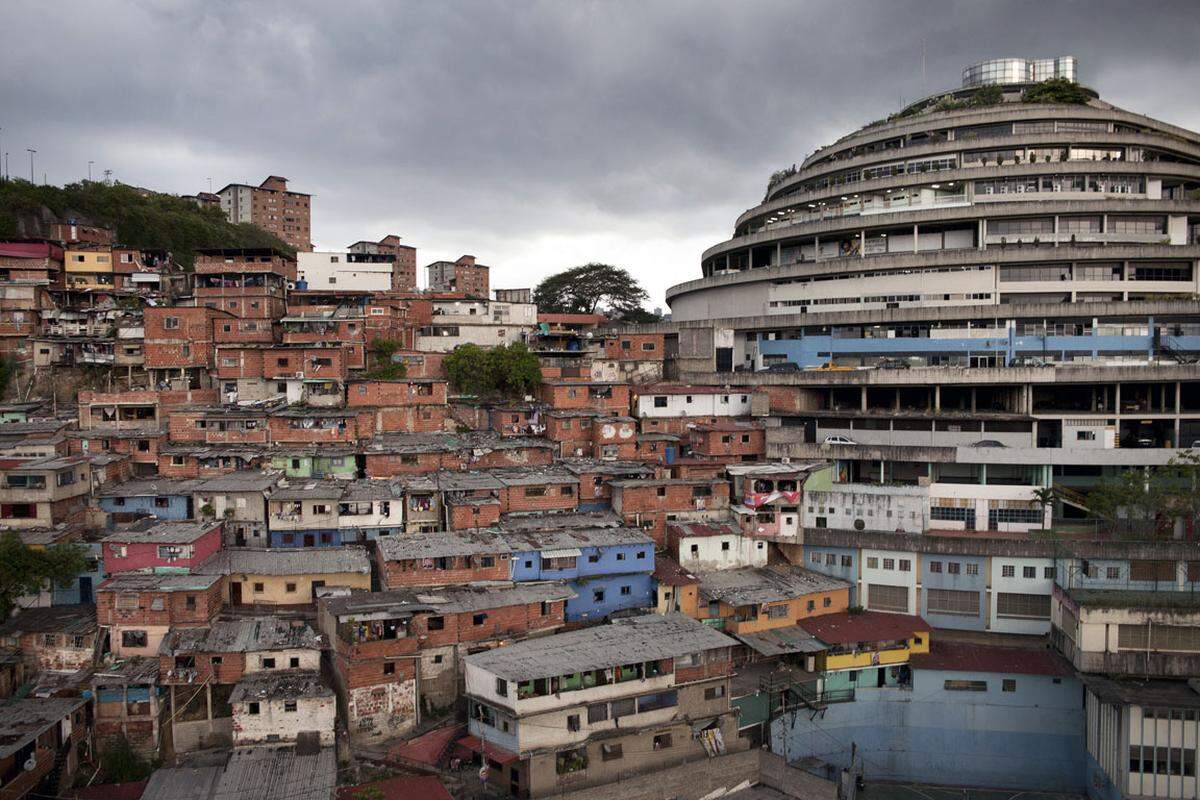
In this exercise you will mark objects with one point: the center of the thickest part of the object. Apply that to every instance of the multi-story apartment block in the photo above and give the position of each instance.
(138, 609)
(583, 708)
(151, 544)
(270, 206)
(287, 578)
(463, 275)
(42, 492)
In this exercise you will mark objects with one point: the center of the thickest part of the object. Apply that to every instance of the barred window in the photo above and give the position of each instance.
(1152, 570)
(882, 597)
(1165, 638)
(950, 514)
(952, 601)
(935, 566)
(1023, 606)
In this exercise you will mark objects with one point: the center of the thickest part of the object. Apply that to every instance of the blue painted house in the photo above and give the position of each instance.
(305, 513)
(609, 569)
(164, 498)
(974, 715)
(82, 590)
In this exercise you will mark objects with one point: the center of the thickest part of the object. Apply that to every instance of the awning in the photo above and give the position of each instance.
(566, 552)
(489, 750)
(707, 722)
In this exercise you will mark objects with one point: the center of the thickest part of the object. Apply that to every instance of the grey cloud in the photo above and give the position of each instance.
(533, 135)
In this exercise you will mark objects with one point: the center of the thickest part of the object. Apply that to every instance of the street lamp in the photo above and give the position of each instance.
(90, 171)
(31, 153)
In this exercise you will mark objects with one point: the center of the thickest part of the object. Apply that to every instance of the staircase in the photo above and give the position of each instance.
(1072, 496)
(1166, 348)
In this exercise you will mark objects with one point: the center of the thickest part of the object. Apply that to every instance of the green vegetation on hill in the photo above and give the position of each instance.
(146, 220)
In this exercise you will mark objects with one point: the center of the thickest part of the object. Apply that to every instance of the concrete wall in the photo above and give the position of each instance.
(1032, 738)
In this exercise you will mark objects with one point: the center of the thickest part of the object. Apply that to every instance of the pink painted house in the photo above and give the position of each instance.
(151, 545)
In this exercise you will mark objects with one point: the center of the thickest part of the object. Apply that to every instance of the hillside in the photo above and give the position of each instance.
(147, 220)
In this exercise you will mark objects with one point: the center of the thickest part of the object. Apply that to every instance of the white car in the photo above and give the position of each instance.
(839, 440)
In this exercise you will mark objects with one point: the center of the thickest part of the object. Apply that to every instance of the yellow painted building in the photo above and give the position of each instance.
(89, 269)
(287, 576)
(676, 589)
(867, 639)
(755, 599)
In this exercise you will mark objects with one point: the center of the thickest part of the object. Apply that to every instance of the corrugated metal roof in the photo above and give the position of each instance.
(287, 561)
(623, 641)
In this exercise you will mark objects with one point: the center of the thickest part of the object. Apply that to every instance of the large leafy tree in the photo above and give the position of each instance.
(1056, 90)
(24, 570)
(1146, 503)
(509, 370)
(591, 289)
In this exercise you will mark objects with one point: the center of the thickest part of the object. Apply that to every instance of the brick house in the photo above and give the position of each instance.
(404, 392)
(648, 503)
(202, 666)
(270, 707)
(614, 438)
(287, 577)
(305, 514)
(379, 639)
(150, 544)
(138, 609)
(608, 397)
(53, 638)
(179, 345)
(546, 489)
(249, 283)
(571, 430)
(728, 440)
(635, 346)
(442, 558)
(308, 425)
(595, 479)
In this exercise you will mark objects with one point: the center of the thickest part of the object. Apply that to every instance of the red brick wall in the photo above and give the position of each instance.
(188, 345)
(676, 426)
(463, 517)
(389, 465)
(414, 419)
(674, 497)
(174, 612)
(629, 347)
(394, 393)
(553, 497)
(718, 443)
(395, 574)
(230, 670)
(512, 457)
(579, 395)
(245, 331)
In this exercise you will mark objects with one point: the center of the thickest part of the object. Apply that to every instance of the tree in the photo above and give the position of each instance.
(1056, 90)
(510, 370)
(1045, 497)
(122, 764)
(590, 289)
(384, 367)
(24, 570)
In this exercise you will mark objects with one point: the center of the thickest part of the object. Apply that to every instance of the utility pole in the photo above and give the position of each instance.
(107, 175)
(31, 154)
(90, 171)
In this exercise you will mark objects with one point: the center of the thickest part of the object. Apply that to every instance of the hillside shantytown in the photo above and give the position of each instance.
(902, 493)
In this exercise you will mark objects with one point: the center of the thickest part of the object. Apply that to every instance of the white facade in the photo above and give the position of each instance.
(893, 570)
(280, 720)
(477, 311)
(1018, 584)
(333, 270)
(703, 402)
(371, 513)
(723, 551)
(879, 508)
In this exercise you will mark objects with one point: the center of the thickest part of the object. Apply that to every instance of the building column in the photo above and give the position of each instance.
(862, 243)
(937, 397)
(864, 398)
(915, 234)
(816, 248)
(778, 254)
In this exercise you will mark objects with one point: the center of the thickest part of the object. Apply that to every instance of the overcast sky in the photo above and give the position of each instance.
(535, 136)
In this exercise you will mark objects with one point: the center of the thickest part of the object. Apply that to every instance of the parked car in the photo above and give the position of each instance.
(1146, 441)
(839, 440)
(988, 443)
(782, 366)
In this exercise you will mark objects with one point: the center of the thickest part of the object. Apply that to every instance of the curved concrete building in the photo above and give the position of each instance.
(1053, 222)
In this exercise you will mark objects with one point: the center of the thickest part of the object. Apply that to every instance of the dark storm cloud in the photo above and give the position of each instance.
(534, 135)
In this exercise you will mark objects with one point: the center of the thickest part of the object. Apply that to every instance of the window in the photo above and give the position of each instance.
(133, 638)
(1008, 571)
(1048, 573)
(569, 761)
(1023, 606)
(1112, 573)
(479, 619)
(435, 624)
(170, 323)
(777, 612)
(623, 708)
(952, 567)
(1029, 572)
(294, 662)
(289, 587)
(1144, 570)
(189, 602)
(268, 663)
(573, 722)
(714, 692)
(258, 588)
(887, 598)
(905, 565)
(660, 402)
(972, 569)
(965, 686)
(662, 741)
(889, 563)
(1008, 685)
(872, 562)
(252, 708)
(935, 566)
(626, 591)
(597, 713)
(952, 601)
(598, 596)
(610, 752)
(501, 687)
(289, 706)
(847, 561)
